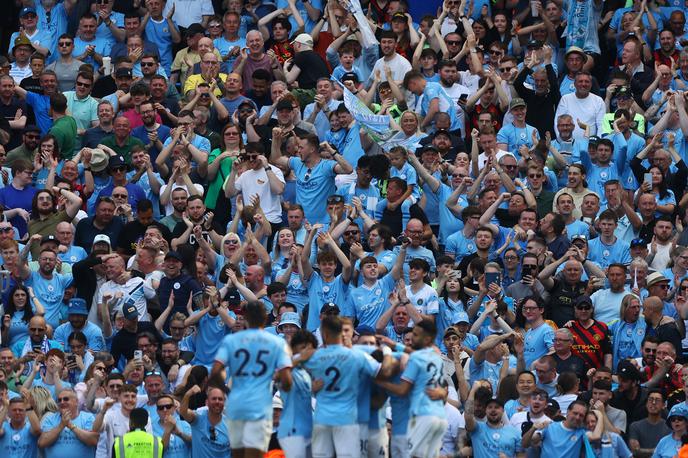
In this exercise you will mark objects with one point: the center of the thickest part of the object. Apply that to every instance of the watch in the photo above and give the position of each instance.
(267, 169)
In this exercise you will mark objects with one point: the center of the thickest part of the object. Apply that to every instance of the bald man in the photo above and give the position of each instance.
(256, 58)
(37, 342)
(209, 73)
(660, 325)
(120, 283)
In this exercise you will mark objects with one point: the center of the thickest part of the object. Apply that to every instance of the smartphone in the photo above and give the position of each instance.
(138, 355)
(647, 178)
(492, 277)
(71, 358)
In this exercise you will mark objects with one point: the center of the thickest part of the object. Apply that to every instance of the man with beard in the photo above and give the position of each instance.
(564, 439)
(184, 232)
(27, 150)
(493, 436)
(449, 77)
(46, 282)
(44, 215)
(151, 133)
(182, 284)
(77, 315)
(662, 244)
(178, 198)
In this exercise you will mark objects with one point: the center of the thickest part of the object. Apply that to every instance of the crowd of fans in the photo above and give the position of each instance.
(329, 228)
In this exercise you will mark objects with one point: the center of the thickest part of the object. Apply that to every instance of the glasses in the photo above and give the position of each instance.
(349, 233)
(650, 350)
(231, 242)
(232, 133)
(209, 61)
(165, 407)
(458, 175)
(535, 175)
(64, 44)
(495, 51)
(120, 196)
(64, 399)
(510, 167)
(213, 434)
(452, 42)
(510, 258)
(662, 286)
(147, 64)
(82, 84)
(118, 169)
(655, 400)
(584, 307)
(6, 229)
(506, 69)
(214, 25)
(307, 176)
(177, 328)
(37, 329)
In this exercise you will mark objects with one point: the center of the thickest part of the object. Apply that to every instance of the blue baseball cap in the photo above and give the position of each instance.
(27, 10)
(77, 306)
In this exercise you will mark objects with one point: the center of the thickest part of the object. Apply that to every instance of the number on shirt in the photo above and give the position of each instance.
(245, 356)
(431, 369)
(332, 386)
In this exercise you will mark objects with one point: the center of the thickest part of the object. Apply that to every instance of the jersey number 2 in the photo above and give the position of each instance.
(244, 356)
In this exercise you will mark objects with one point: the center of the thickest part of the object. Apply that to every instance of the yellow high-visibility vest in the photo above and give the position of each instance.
(138, 444)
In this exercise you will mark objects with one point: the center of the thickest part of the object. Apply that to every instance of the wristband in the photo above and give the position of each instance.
(267, 169)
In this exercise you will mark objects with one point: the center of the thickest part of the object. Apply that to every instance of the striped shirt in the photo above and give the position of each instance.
(591, 343)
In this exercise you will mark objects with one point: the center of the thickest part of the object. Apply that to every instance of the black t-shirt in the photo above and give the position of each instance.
(7, 113)
(105, 85)
(180, 228)
(31, 84)
(312, 67)
(394, 219)
(561, 300)
(571, 364)
(133, 233)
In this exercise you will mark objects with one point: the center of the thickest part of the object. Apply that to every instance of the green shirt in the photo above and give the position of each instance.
(124, 150)
(215, 187)
(64, 130)
(20, 152)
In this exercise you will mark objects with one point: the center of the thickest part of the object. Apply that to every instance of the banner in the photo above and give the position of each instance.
(362, 114)
(367, 35)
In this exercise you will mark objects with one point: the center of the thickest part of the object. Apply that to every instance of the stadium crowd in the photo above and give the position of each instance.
(333, 228)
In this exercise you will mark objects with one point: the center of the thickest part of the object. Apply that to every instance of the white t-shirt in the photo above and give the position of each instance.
(455, 423)
(662, 257)
(187, 12)
(114, 424)
(590, 110)
(455, 92)
(519, 418)
(253, 182)
(398, 64)
(169, 209)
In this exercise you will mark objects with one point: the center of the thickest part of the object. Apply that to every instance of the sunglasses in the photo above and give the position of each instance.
(165, 407)
(120, 196)
(213, 434)
(147, 64)
(6, 229)
(452, 42)
(82, 84)
(533, 176)
(584, 307)
(64, 399)
(349, 233)
(307, 176)
(118, 169)
(64, 44)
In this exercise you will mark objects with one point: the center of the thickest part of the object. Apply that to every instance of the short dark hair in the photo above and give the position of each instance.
(58, 102)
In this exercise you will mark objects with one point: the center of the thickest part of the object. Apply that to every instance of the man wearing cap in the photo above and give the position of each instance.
(29, 139)
(390, 58)
(77, 314)
(306, 67)
(118, 171)
(583, 105)
(630, 396)
(590, 337)
(511, 137)
(40, 40)
(575, 61)
(21, 51)
(493, 436)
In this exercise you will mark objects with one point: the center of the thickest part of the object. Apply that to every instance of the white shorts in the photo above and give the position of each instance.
(250, 434)
(295, 446)
(425, 436)
(378, 443)
(400, 447)
(331, 440)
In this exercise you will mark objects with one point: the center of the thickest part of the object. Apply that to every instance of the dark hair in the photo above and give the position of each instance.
(275, 287)
(261, 74)
(428, 327)
(58, 102)
(10, 308)
(403, 186)
(78, 336)
(385, 234)
(255, 314)
(332, 324)
(303, 337)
